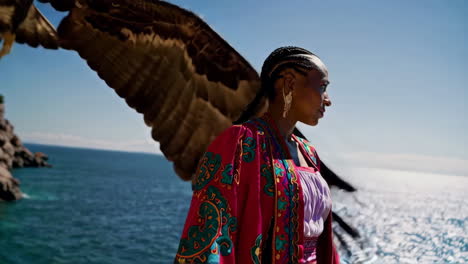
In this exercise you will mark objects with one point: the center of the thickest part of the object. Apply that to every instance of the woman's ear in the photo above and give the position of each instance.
(289, 81)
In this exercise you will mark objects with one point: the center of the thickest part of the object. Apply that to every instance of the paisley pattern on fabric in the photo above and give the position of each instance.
(269, 187)
(287, 224)
(248, 149)
(203, 243)
(225, 224)
(256, 251)
(279, 169)
(227, 176)
(209, 165)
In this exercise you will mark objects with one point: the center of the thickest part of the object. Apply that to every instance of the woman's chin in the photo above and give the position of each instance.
(311, 121)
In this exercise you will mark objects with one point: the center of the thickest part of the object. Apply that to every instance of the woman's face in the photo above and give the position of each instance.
(310, 97)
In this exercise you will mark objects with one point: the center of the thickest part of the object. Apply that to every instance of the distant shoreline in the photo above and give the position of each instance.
(89, 148)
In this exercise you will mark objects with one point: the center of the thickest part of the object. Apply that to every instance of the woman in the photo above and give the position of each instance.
(258, 196)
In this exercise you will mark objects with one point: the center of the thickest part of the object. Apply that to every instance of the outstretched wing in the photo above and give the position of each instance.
(169, 65)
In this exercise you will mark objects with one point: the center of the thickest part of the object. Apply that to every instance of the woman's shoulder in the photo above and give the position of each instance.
(237, 135)
(232, 135)
(248, 128)
(234, 131)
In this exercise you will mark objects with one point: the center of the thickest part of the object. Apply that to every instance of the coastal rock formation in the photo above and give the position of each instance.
(14, 155)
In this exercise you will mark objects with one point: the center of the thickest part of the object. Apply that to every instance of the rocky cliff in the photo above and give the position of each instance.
(14, 155)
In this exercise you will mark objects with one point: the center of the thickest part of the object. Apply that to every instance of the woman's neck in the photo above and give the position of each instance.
(284, 125)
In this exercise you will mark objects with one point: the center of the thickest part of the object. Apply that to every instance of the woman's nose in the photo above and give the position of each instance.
(327, 100)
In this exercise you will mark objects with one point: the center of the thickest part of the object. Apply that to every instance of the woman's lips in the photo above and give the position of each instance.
(322, 112)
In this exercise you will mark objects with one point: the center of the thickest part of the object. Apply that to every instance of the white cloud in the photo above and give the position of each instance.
(145, 145)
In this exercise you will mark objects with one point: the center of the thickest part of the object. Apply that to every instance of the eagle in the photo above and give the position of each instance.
(167, 64)
(21, 21)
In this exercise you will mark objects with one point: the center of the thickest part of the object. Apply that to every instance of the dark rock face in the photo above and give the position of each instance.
(9, 186)
(14, 155)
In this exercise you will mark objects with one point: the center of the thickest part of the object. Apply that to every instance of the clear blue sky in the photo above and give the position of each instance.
(398, 72)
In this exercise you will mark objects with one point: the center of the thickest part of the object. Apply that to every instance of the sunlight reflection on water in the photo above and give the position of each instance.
(405, 217)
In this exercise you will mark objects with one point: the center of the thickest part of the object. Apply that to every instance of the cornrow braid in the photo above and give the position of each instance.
(293, 57)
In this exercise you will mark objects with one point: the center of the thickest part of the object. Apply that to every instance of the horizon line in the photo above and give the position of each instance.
(91, 148)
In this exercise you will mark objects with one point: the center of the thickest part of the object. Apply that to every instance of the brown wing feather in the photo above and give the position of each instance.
(168, 64)
(36, 30)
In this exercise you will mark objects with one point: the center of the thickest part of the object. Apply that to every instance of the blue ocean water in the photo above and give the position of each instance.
(97, 206)
(94, 206)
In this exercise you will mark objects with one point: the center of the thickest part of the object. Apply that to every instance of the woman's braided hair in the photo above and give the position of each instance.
(268, 77)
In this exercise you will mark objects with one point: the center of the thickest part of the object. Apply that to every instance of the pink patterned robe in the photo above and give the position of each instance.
(247, 204)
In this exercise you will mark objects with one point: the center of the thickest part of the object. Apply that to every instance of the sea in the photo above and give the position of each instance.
(113, 207)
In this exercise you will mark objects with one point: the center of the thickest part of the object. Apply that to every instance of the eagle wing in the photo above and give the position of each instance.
(168, 65)
(36, 30)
